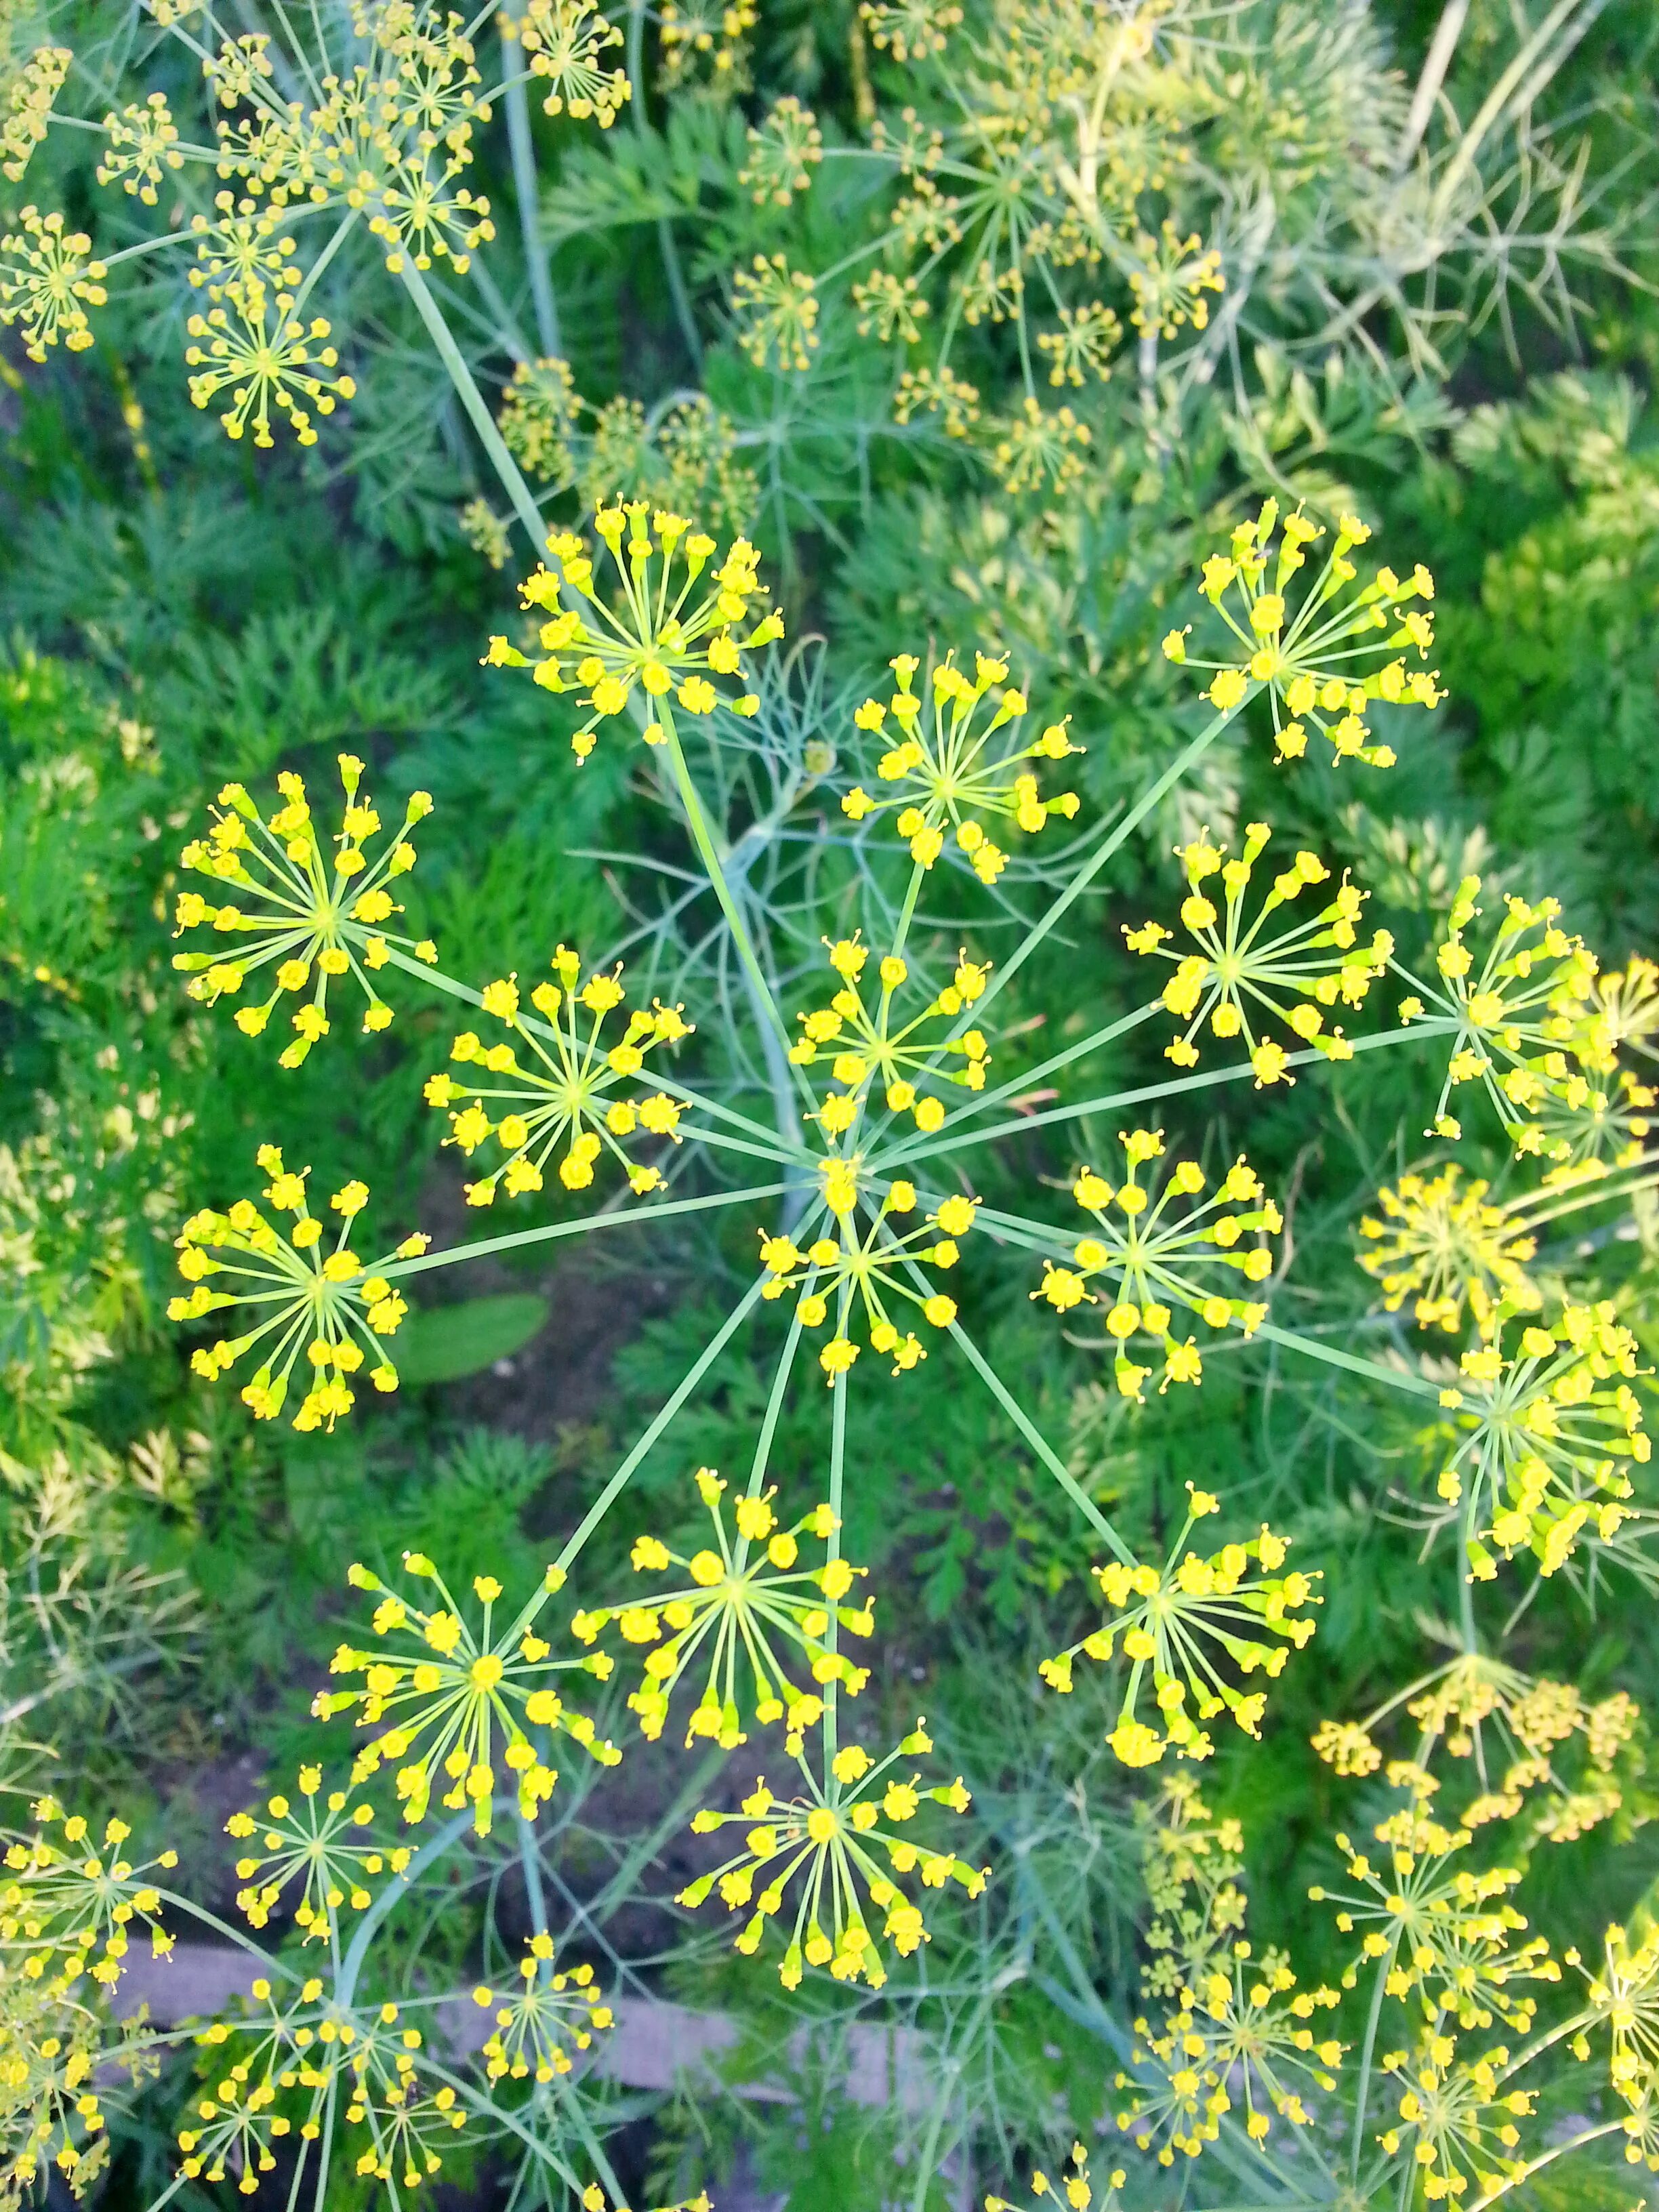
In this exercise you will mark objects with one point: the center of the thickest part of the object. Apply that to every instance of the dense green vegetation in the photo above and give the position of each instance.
(986, 328)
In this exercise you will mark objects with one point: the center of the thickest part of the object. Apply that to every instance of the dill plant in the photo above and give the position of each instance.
(835, 1137)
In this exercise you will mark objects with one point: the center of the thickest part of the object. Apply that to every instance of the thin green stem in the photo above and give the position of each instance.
(1039, 1443)
(907, 912)
(773, 1408)
(1115, 837)
(1416, 1386)
(1385, 1967)
(517, 1239)
(1175, 1087)
(1547, 2158)
(524, 502)
(319, 267)
(708, 852)
(235, 1934)
(837, 1494)
(694, 1375)
(525, 187)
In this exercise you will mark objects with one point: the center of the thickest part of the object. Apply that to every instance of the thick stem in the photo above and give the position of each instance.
(1442, 47)
(713, 861)
(523, 503)
(527, 188)
(787, 1095)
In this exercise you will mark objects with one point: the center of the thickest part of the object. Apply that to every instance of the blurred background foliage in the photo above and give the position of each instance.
(1464, 351)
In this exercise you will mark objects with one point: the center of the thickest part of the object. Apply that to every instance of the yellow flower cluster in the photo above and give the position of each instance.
(711, 31)
(1037, 446)
(855, 1270)
(565, 41)
(740, 1602)
(324, 1304)
(362, 2066)
(1515, 1733)
(1318, 664)
(538, 418)
(70, 1902)
(1147, 1258)
(305, 917)
(910, 30)
(320, 1843)
(657, 636)
(1625, 1001)
(826, 1839)
(1293, 975)
(252, 342)
(782, 151)
(29, 98)
(1444, 1247)
(1521, 1014)
(139, 144)
(870, 1048)
(566, 1096)
(1240, 2039)
(1168, 286)
(469, 1685)
(775, 311)
(1537, 1442)
(57, 2054)
(947, 771)
(1194, 1624)
(47, 281)
(534, 2022)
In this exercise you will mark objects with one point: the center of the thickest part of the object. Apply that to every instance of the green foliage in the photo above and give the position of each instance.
(1424, 241)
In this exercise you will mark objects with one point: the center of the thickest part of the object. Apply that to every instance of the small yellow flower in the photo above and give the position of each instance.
(1523, 1026)
(738, 1606)
(573, 1094)
(1169, 287)
(47, 281)
(775, 310)
(534, 2022)
(304, 918)
(872, 1053)
(1163, 1620)
(657, 637)
(864, 1267)
(782, 151)
(1538, 1441)
(321, 1844)
(1321, 664)
(946, 772)
(1152, 1250)
(1241, 973)
(30, 93)
(827, 1837)
(464, 1687)
(564, 41)
(1444, 1247)
(322, 1306)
